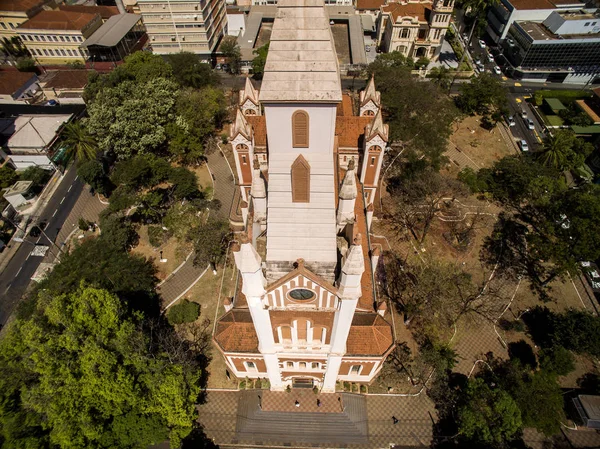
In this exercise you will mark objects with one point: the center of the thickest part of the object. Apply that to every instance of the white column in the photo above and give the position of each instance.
(333, 368)
(341, 325)
(272, 363)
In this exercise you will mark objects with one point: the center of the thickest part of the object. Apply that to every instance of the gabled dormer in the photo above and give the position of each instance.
(370, 100)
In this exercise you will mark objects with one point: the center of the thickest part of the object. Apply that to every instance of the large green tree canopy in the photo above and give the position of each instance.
(79, 372)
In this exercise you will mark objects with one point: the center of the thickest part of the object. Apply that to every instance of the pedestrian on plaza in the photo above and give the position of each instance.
(297, 404)
(318, 403)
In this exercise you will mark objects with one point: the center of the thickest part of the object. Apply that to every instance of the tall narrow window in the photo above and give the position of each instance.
(300, 129)
(300, 180)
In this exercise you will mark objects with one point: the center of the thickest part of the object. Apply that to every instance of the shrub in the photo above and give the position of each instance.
(557, 360)
(83, 224)
(184, 312)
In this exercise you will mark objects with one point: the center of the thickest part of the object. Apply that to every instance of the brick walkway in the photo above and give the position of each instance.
(220, 415)
(460, 159)
(285, 402)
(178, 283)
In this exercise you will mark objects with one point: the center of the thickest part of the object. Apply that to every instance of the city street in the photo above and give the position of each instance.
(15, 278)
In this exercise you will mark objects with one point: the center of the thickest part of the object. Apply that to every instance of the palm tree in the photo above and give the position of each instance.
(557, 150)
(79, 142)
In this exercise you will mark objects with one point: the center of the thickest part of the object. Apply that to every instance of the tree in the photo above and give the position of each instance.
(564, 151)
(7, 177)
(80, 372)
(15, 48)
(484, 95)
(231, 50)
(557, 360)
(92, 172)
(440, 76)
(210, 242)
(80, 144)
(258, 63)
(182, 219)
(419, 114)
(190, 72)
(143, 66)
(184, 145)
(130, 118)
(488, 415)
(35, 174)
(185, 183)
(26, 64)
(417, 200)
(201, 112)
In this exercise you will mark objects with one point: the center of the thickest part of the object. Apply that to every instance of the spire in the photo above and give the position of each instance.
(348, 190)
(242, 126)
(355, 262)
(370, 94)
(249, 93)
(377, 127)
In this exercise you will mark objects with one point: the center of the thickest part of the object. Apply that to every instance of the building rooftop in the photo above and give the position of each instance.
(369, 4)
(105, 12)
(591, 405)
(302, 63)
(66, 79)
(18, 188)
(11, 82)
(36, 131)
(58, 20)
(419, 10)
(538, 32)
(113, 30)
(20, 5)
(532, 4)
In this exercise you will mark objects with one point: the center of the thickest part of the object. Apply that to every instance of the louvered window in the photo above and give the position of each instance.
(300, 129)
(300, 181)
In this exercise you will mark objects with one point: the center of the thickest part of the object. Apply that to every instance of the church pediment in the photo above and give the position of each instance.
(302, 289)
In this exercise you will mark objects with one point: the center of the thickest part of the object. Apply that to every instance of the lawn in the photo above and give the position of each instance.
(554, 120)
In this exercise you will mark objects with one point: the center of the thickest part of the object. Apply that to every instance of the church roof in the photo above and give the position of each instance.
(349, 130)
(377, 127)
(235, 332)
(369, 334)
(242, 126)
(259, 125)
(302, 62)
(370, 93)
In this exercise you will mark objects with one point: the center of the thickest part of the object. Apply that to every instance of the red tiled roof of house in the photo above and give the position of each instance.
(369, 4)
(66, 79)
(369, 334)
(419, 10)
(10, 82)
(259, 124)
(350, 129)
(532, 4)
(19, 5)
(106, 12)
(345, 108)
(235, 332)
(58, 20)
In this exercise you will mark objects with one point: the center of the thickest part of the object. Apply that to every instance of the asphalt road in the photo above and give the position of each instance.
(15, 278)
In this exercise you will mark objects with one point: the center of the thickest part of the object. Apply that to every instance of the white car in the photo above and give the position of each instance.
(530, 124)
(497, 70)
(523, 145)
(523, 113)
(490, 57)
(481, 43)
(511, 121)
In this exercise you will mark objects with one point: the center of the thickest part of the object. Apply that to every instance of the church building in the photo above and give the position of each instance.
(305, 312)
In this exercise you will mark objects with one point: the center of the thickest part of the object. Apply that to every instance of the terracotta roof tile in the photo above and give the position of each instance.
(369, 4)
(345, 108)
(235, 332)
(369, 335)
(349, 130)
(20, 5)
(259, 124)
(367, 300)
(419, 10)
(532, 4)
(10, 82)
(58, 20)
(106, 12)
(66, 79)
(318, 318)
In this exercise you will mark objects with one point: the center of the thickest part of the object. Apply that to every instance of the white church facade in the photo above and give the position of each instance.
(305, 312)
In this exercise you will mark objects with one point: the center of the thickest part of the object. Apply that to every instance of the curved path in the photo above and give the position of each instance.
(186, 275)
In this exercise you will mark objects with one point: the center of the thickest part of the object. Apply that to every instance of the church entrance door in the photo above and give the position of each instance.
(302, 382)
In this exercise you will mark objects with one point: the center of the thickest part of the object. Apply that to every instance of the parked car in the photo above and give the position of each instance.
(523, 145)
(530, 124)
(497, 70)
(511, 121)
(482, 43)
(52, 103)
(523, 113)
(465, 36)
(367, 48)
(490, 57)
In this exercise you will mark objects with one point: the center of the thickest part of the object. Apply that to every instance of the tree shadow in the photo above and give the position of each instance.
(523, 353)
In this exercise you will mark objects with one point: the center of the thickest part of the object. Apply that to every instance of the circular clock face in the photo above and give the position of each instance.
(302, 294)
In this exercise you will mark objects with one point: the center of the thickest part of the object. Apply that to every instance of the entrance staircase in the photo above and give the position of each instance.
(348, 427)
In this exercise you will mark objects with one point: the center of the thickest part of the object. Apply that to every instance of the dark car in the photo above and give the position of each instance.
(35, 232)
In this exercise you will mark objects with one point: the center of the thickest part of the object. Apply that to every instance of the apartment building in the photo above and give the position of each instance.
(174, 26)
(415, 29)
(56, 36)
(14, 12)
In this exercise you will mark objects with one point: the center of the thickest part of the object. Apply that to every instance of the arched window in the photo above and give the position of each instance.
(300, 129)
(241, 147)
(250, 112)
(368, 113)
(300, 180)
